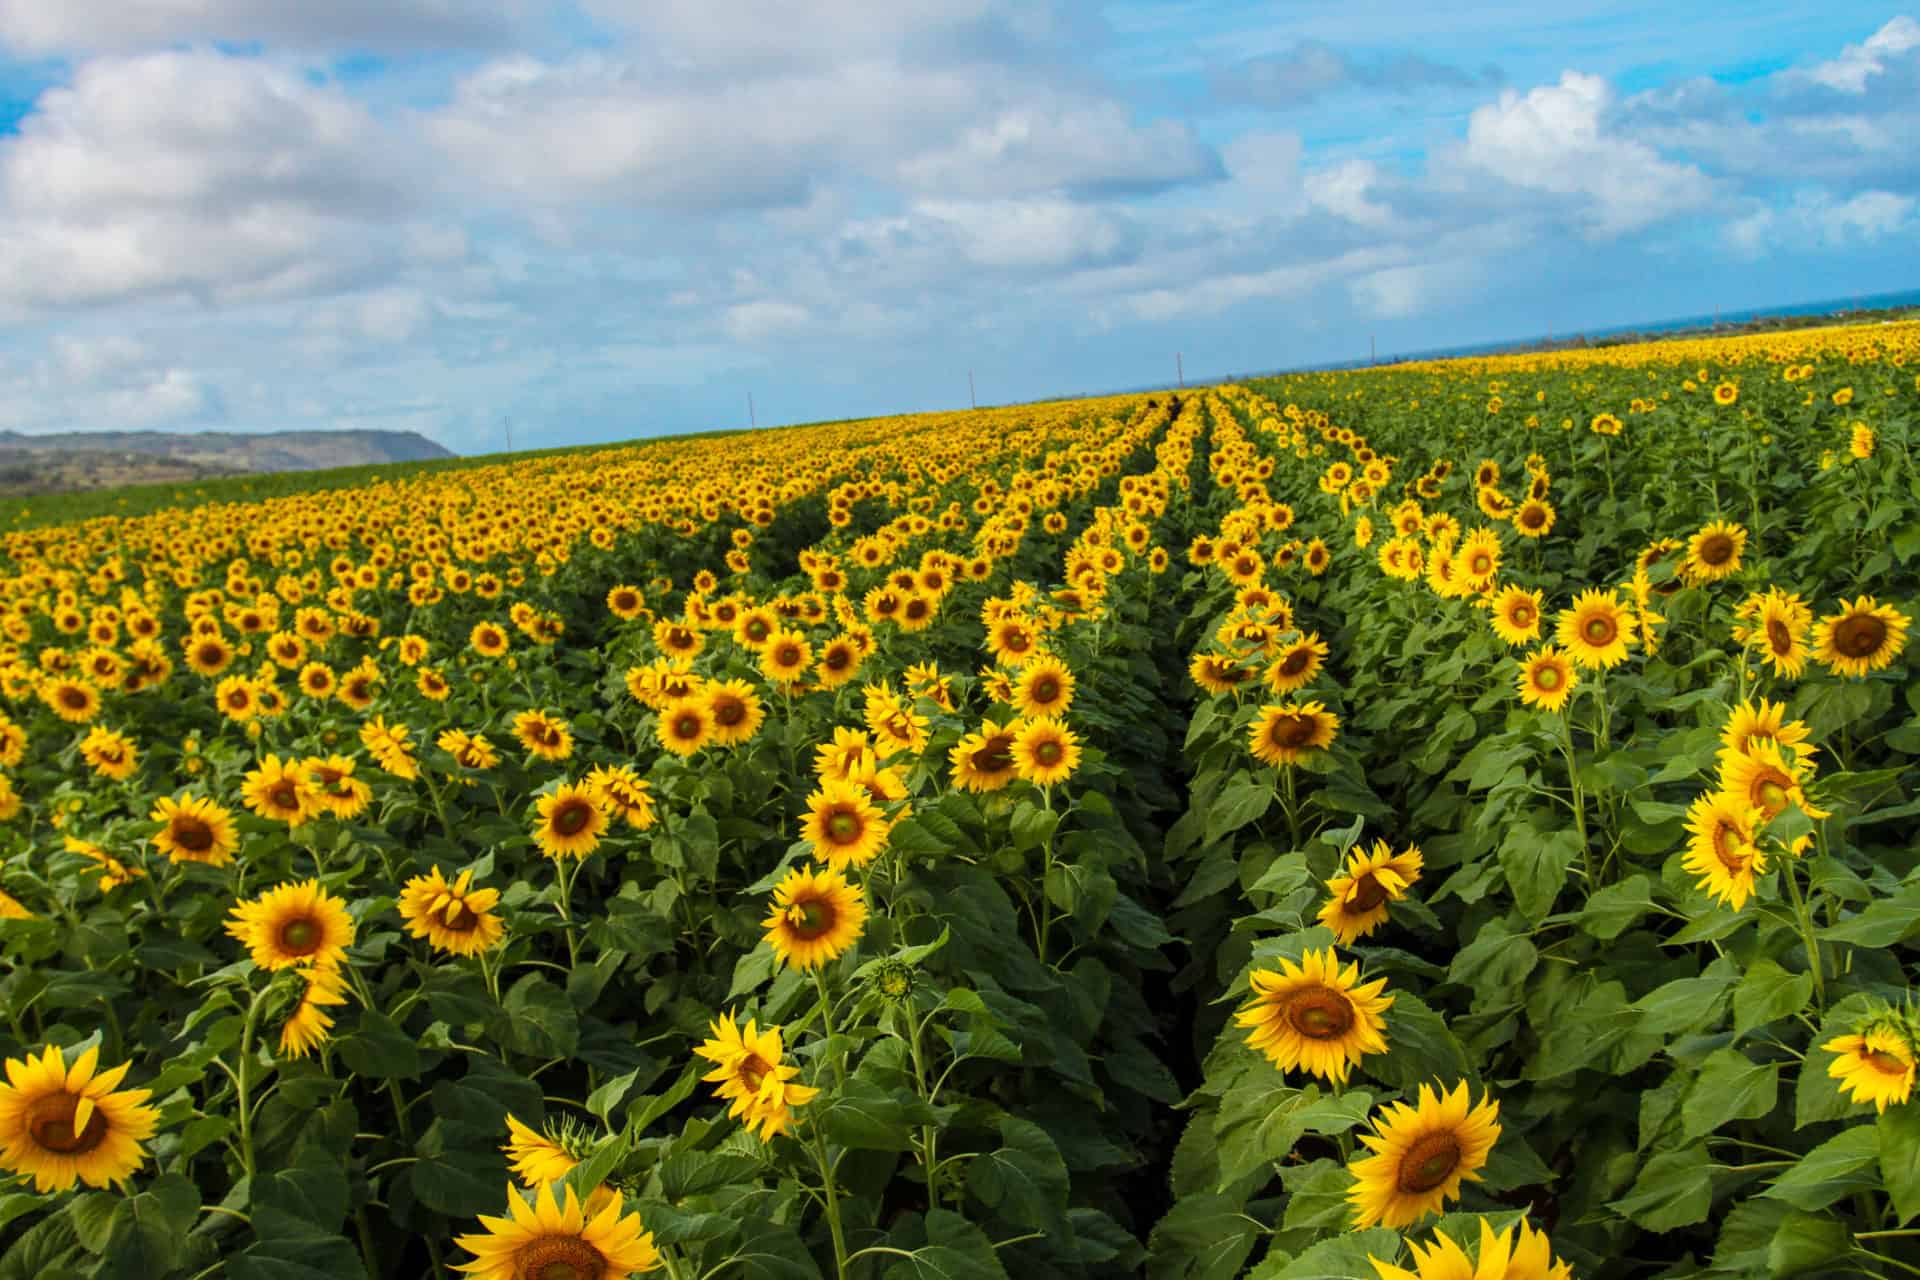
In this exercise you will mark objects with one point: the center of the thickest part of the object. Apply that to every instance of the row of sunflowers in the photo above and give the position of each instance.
(1413, 822)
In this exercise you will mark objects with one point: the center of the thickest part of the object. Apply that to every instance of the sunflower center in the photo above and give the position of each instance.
(752, 1070)
(1017, 642)
(993, 757)
(1727, 847)
(1046, 689)
(1291, 731)
(192, 834)
(1716, 549)
(1885, 1063)
(1547, 678)
(1480, 566)
(756, 630)
(558, 1258)
(787, 656)
(837, 659)
(730, 711)
(1296, 662)
(843, 828)
(571, 817)
(457, 918)
(300, 936)
(1367, 893)
(1779, 637)
(1429, 1162)
(1047, 753)
(75, 698)
(1320, 1014)
(50, 1121)
(1859, 636)
(1599, 630)
(687, 727)
(283, 796)
(1772, 795)
(1521, 615)
(811, 918)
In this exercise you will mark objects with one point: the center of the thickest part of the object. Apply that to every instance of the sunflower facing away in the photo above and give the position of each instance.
(1546, 678)
(1502, 1256)
(1316, 1016)
(1284, 734)
(1876, 1064)
(535, 1158)
(1595, 630)
(1863, 637)
(294, 925)
(552, 1239)
(1421, 1155)
(1363, 889)
(816, 916)
(196, 830)
(307, 1026)
(571, 821)
(451, 915)
(751, 1075)
(61, 1124)
(843, 825)
(1722, 853)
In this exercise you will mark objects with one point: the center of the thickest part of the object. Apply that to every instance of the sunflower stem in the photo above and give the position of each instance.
(1579, 803)
(242, 1080)
(830, 1198)
(1804, 918)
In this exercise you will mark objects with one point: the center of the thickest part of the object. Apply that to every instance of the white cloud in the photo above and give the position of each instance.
(1816, 218)
(195, 174)
(69, 26)
(1859, 63)
(1555, 139)
(1054, 145)
(766, 319)
(1341, 190)
(1037, 233)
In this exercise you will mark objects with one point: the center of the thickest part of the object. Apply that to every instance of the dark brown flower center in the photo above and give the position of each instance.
(1859, 635)
(1599, 630)
(994, 756)
(192, 834)
(50, 1122)
(558, 1258)
(1046, 689)
(458, 918)
(844, 827)
(1367, 893)
(1716, 549)
(1320, 1013)
(1048, 753)
(1291, 731)
(1885, 1063)
(686, 727)
(787, 655)
(1778, 637)
(284, 796)
(811, 918)
(729, 711)
(570, 817)
(1429, 1162)
(1727, 847)
(76, 699)
(753, 1070)
(1296, 662)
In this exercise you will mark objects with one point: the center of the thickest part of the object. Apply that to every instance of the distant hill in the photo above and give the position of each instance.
(74, 460)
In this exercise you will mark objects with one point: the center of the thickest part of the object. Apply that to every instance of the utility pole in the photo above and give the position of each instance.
(509, 426)
(752, 421)
(1373, 352)
(971, 398)
(1179, 371)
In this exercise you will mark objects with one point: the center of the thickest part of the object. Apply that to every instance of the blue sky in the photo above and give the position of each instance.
(605, 219)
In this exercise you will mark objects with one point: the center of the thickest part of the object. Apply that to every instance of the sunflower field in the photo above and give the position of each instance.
(1450, 821)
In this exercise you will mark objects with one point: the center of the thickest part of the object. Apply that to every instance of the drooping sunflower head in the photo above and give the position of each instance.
(1283, 734)
(1863, 637)
(1766, 778)
(1421, 1156)
(1315, 1016)
(1296, 664)
(63, 1124)
(294, 925)
(1361, 891)
(552, 1239)
(1595, 632)
(816, 916)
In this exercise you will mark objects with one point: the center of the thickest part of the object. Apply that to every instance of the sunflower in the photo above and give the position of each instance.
(536, 1158)
(895, 725)
(983, 761)
(816, 916)
(735, 711)
(1363, 888)
(1316, 1016)
(1219, 673)
(279, 790)
(1722, 853)
(1876, 1064)
(1767, 722)
(1478, 559)
(452, 916)
(489, 639)
(752, 1076)
(1516, 615)
(113, 872)
(625, 602)
(543, 735)
(685, 725)
(294, 925)
(1297, 664)
(1595, 630)
(846, 757)
(335, 789)
(677, 639)
(60, 1125)
(839, 663)
(208, 655)
(307, 1026)
(74, 700)
(111, 755)
(1284, 734)
(1421, 1155)
(1546, 678)
(843, 826)
(317, 680)
(1045, 751)
(786, 656)
(1714, 552)
(1863, 637)
(624, 792)
(196, 830)
(1762, 777)
(551, 1240)
(1502, 1256)
(1860, 441)
(389, 746)
(1044, 687)
(571, 821)
(1779, 621)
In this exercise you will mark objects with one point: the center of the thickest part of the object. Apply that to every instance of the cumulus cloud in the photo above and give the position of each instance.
(1312, 69)
(1556, 139)
(766, 319)
(196, 174)
(69, 26)
(1817, 218)
(1858, 64)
